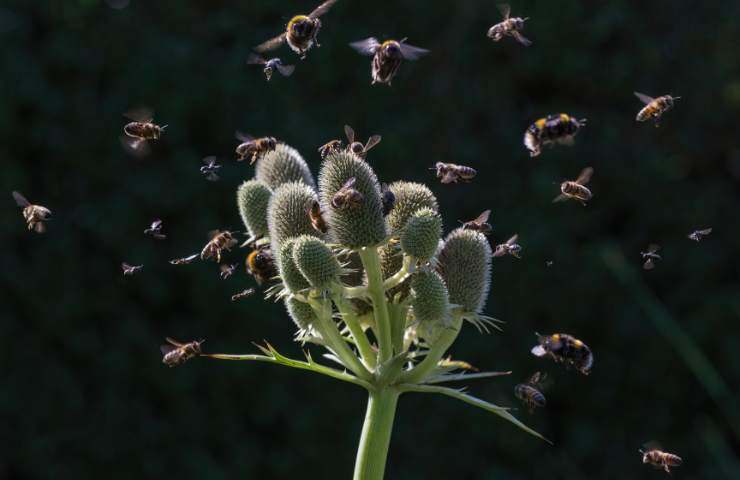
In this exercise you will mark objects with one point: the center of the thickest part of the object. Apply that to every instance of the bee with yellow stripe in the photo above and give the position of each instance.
(564, 348)
(261, 265)
(554, 129)
(654, 107)
(300, 33)
(387, 57)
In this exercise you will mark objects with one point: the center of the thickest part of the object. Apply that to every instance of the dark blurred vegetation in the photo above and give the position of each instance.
(84, 392)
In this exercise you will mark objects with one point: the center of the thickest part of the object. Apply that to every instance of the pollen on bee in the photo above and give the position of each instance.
(540, 123)
(556, 337)
(539, 351)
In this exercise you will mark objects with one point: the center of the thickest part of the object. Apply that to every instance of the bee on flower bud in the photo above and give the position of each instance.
(317, 219)
(576, 189)
(480, 224)
(697, 235)
(155, 230)
(530, 393)
(141, 130)
(131, 269)
(261, 265)
(651, 256)
(660, 459)
(452, 173)
(269, 66)
(35, 215)
(218, 243)
(253, 148)
(654, 107)
(300, 33)
(176, 353)
(511, 26)
(387, 57)
(357, 147)
(564, 348)
(509, 248)
(347, 196)
(334, 146)
(559, 129)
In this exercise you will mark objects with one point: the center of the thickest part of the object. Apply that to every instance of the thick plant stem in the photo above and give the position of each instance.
(376, 434)
(446, 339)
(376, 290)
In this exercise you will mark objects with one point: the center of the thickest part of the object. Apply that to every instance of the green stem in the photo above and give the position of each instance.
(446, 339)
(407, 268)
(376, 434)
(350, 319)
(397, 314)
(371, 263)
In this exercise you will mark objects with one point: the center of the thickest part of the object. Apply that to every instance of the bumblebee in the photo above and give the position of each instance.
(254, 148)
(131, 269)
(317, 219)
(387, 57)
(35, 215)
(261, 265)
(347, 196)
(388, 199)
(334, 146)
(654, 107)
(576, 189)
(509, 248)
(530, 392)
(660, 459)
(357, 147)
(553, 129)
(511, 26)
(270, 66)
(300, 33)
(564, 348)
(140, 130)
(452, 173)
(480, 224)
(697, 235)
(219, 242)
(175, 353)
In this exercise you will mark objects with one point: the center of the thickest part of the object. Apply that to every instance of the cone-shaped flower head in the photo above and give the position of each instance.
(316, 261)
(431, 304)
(292, 278)
(465, 265)
(357, 223)
(410, 197)
(420, 236)
(283, 165)
(287, 213)
(252, 198)
(301, 313)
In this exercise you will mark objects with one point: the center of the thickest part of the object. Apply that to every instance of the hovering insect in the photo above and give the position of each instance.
(227, 270)
(553, 129)
(140, 130)
(576, 189)
(564, 348)
(509, 248)
(452, 173)
(317, 219)
(218, 243)
(35, 215)
(271, 65)
(480, 224)
(209, 168)
(185, 260)
(387, 57)
(650, 256)
(549, 263)
(697, 235)
(300, 33)
(177, 353)
(242, 294)
(254, 148)
(347, 196)
(334, 146)
(660, 459)
(261, 265)
(357, 147)
(388, 199)
(131, 269)
(155, 230)
(511, 26)
(654, 107)
(531, 392)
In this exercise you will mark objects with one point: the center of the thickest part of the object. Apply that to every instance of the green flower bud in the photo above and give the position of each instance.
(420, 236)
(316, 261)
(430, 305)
(358, 224)
(252, 198)
(410, 197)
(465, 265)
(287, 213)
(283, 165)
(301, 313)
(292, 278)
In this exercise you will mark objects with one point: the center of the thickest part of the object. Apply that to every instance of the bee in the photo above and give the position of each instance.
(654, 107)
(575, 189)
(357, 147)
(300, 33)
(480, 224)
(176, 353)
(660, 459)
(317, 219)
(131, 269)
(509, 248)
(253, 148)
(388, 199)
(185, 260)
(140, 130)
(209, 168)
(271, 65)
(261, 265)
(452, 173)
(531, 392)
(553, 129)
(697, 235)
(334, 146)
(227, 270)
(35, 215)
(511, 26)
(650, 256)
(564, 348)
(347, 196)
(242, 294)
(387, 57)
(219, 242)
(549, 263)
(155, 230)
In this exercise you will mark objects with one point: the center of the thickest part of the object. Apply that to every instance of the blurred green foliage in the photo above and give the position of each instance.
(84, 392)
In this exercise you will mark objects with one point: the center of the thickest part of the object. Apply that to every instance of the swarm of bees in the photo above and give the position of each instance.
(347, 196)
(387, 57)
(564, 348)
(270, 66)
(261, 265)
(554, 129)
(660, 460)
(35, 215)
(530, 392)
(253, 148)
(480, 224)
(654, 107)
(175, 353)
(511, 26)
(452, 173)
(300, 33)
(576, 189)
(509, 248)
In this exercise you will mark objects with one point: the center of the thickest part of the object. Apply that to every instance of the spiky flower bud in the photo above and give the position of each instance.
(430, 305)
(316, 261)
(283, 165)
(410, 197)
(287, 213)
(465, 265)
(301, 313)
(292, 278)
(252, 198)
(420, 236)
(357, 224)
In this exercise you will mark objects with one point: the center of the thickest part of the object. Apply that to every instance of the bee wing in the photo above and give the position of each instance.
(372, 141)
(140, 114)
(538, 351)
(653, 247)
(505, 9)
(212, 177)
(521, 38)
(500, 251)
(349, 183)
(174, 342)
(559, 198)
(210, 160)
(165, 349)
(254, 59)
(366, 47)
(285, 70)
(322, 9)
(350, 133)
(585, 176)
(40, 227)
(20, 200)
(706, 231)
(483, 217)
(156, 224)
(410, 52)
(213, 233)
(243, 137)
(513, 239)
(134, 146)
(644, 98)
(271, 44)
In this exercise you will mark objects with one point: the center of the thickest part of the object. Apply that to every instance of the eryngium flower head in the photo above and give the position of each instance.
(355, 225)
(293, 279)
(252, 198)
(420, 236)
(283, 165)
(316, 261)
(287, 213)
(465, 265)
(410, 197)
(430, 305)
(301, 313)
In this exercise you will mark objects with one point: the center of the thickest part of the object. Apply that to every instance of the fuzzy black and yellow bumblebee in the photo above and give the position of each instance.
(261, 265)
(564, 348)
(654, 107)
(387, 57)
(554, 129)
(300, 33)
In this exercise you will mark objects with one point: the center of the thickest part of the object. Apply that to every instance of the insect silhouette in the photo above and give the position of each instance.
(227, 270)
(270, 66)
(452, 173)
(219, 242)
(242, 294)
(564, 348)
(357, 147)
(253, 148)
(155, 230)
(387, 57)
(140, 130)
(185, 260)
(654, 107)
(509, 248)
(530, 392)
(176, 353)
(480, 223)
(651, 256)
(35, 215)
(698, 235)
(660, 459)
(333, 146)
(261, 265)
(347, 196)
(510, 26)
(576, 189)
(210, 168)
(559, 129)
(131, 269)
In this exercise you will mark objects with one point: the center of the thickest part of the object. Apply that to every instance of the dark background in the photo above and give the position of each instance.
(84, 393)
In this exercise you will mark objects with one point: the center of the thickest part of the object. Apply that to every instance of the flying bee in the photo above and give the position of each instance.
(131, 269)
(357, 147)
(209, 168)
(185, 260)
(140, 130)
(452, 173)
(531, 392)
(35, 215)
(334, 146)
(227, 270)
(480, 224)
(554, 129)
(388, 199)
(177, 353)
(511, 26)
(387, 57)
(254, 148)
(347, 196)
(564, 348)
(509, 248)
(300, 33)
(219, 242)
(654, 107)
(271, 65)
(261, 265)
(317, 219)
(650, 256)
(155, 230)
(576, 189)
(697, 235)
(660, 459)
(243, 294)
